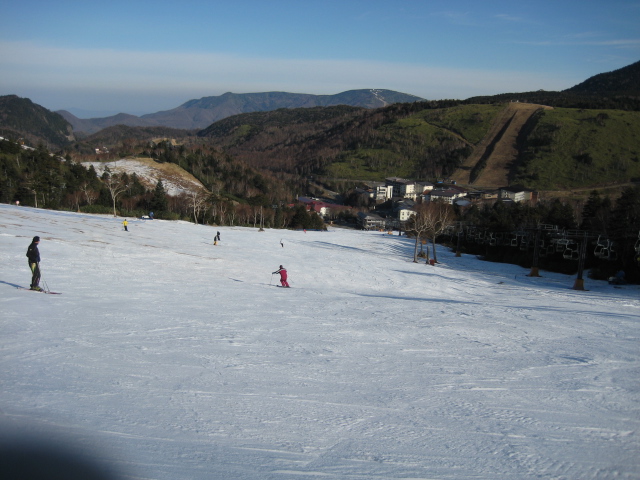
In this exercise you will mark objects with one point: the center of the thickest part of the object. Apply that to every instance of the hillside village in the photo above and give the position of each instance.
(393, 202)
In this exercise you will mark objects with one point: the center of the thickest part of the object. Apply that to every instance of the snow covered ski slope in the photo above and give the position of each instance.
(170, 358)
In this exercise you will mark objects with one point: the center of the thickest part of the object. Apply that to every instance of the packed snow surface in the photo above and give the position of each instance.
(167, 357)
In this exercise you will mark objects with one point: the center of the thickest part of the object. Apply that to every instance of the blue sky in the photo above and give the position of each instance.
(143, 56)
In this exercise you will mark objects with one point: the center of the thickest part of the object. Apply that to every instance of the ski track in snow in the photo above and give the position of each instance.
(170, 358)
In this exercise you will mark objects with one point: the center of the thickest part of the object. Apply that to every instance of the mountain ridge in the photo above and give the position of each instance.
(202, 112)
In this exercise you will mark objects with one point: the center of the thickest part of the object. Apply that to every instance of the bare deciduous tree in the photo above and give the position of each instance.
(442, 216)
(429, 221)
(90, 196)
(198, 202)
(116, 187)
(419, 224)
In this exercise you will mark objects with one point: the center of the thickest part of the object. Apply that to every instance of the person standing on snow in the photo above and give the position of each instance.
(33, 254)
(283, 276)
(125, 223)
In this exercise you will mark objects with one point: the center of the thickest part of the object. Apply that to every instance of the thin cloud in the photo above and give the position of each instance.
(509, 18)
(621, 43)
(457, 18)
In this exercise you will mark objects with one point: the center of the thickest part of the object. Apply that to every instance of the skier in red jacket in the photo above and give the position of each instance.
(283, 276)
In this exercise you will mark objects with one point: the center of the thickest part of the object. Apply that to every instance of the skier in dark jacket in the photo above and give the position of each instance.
(283, 276)
(33, 255)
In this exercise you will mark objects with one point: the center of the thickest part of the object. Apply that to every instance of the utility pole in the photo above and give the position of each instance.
(536, 255)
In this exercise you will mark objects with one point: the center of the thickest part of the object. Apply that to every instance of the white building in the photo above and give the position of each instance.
(402, 187)
(515, 194)
(448, 195)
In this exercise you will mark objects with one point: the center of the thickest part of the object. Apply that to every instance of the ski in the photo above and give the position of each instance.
(40, 291)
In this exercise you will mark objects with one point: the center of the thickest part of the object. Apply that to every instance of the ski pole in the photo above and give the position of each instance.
(271, 281)
(46, 287)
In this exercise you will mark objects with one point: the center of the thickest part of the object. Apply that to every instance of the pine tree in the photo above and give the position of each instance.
(624, 228)
(159, 201)
(300, 218)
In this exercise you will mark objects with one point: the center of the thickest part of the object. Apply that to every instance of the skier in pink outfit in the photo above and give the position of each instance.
(283, 276)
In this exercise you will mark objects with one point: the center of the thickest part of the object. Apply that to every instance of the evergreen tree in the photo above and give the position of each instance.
(159, 201)
(596, 212)
(624, 229)
(278, 218)
(560, 214)
(300, 218)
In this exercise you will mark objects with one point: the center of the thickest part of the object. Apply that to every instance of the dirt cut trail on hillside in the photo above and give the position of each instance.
(489, 164)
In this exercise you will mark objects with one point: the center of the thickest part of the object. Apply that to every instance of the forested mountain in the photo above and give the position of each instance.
(619, 90)
(21, 118)
(624, 81)
(93, 125)
(552, 148)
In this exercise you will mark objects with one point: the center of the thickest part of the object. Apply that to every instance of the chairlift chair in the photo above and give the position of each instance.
(569, 251)
(561, 244)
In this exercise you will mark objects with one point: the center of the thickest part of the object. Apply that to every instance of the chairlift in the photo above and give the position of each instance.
(602, 247)
(569, 251)
(561, 244)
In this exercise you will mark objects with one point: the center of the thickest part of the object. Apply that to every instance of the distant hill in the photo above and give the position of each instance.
(624, 81)
(619, 89)
(199, 114)
(93, 125)
(21, 118)
(113, 135)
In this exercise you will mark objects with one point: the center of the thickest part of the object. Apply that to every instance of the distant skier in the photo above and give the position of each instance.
(281, 244)
(33, 254)
(216, 239)
(283, 276)
(125, 223)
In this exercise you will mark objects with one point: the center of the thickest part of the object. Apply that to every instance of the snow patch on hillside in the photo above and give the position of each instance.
(149, 174)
